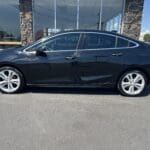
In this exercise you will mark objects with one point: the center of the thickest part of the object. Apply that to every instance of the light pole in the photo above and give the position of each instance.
(55, 15)
(100, 14)
(78, 13)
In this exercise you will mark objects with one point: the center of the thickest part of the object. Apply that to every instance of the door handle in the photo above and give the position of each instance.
(117, 54)
(71, 57)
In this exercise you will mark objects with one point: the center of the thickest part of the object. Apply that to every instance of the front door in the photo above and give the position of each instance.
(58, 65)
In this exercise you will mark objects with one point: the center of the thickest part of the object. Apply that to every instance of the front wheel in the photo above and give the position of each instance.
(132, 83)
(11, 80)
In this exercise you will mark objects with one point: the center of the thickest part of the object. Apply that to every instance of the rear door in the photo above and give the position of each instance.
(99, 59)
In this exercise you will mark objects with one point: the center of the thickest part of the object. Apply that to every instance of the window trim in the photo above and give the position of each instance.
(76, 46)
(81, 33)
(117, 37)
(45, 40)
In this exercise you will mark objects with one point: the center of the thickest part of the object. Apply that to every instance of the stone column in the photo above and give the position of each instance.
(132, 18)
(26, 21)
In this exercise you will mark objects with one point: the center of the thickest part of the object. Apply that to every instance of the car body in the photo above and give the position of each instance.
(1, 48)
(83, 58)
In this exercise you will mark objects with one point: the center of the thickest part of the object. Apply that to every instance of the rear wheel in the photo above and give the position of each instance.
(132, 83)
(11, 80)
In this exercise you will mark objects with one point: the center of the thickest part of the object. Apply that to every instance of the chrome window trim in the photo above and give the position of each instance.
(85, 32)
(117, 36)
(46, 39)
(87, 50)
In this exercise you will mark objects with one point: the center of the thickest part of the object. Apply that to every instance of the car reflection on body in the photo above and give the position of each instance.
(83, 58)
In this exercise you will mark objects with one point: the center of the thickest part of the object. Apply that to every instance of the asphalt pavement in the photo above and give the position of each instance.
(74, 119)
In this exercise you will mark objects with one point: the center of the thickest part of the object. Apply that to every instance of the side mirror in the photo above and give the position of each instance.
(40, 53)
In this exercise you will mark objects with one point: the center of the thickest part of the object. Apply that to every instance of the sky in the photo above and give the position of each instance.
(146, 16)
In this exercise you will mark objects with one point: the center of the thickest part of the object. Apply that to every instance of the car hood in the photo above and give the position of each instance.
(8, 50)
(11, 50)
(9, 54)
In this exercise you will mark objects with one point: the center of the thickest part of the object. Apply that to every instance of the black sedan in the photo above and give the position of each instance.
(84, 58)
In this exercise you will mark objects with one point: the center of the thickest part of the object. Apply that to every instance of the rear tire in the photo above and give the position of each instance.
(132, 83)
(11, 80)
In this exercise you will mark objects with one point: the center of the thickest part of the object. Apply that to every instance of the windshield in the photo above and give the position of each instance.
(36, 42)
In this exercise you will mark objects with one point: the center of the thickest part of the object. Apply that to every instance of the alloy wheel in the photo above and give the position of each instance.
(9, 81)
(133, 83)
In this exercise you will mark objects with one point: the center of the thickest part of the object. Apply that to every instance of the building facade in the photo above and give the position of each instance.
(28, 20)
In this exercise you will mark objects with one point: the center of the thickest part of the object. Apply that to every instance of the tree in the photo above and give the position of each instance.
(147, 37)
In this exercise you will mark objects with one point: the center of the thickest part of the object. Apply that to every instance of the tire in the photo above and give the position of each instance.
(132, 83)
(11, 80)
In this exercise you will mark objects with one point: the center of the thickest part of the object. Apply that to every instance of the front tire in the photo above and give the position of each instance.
(132, 83)
(11, 80)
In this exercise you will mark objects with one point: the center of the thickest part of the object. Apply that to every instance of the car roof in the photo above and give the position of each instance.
(97, 31)
(76, 31)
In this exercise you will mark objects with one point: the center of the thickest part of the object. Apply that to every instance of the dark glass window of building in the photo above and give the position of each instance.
(9, 20)
(67, 11)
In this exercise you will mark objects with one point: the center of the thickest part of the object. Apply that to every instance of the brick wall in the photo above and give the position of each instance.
(132, 18)
(26, 24)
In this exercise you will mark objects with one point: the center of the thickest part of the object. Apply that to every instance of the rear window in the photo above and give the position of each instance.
(123, 43)
(95, 41)
(100, 41)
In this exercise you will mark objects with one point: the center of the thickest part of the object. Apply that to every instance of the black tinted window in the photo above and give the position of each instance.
(132, 44)
(64, 42)
(95, 41)
(124, 43)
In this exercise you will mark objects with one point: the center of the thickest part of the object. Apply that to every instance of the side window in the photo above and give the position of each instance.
(131, 44)
(123, 43)
(63, 42)
(95, 41)
(35, 47)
